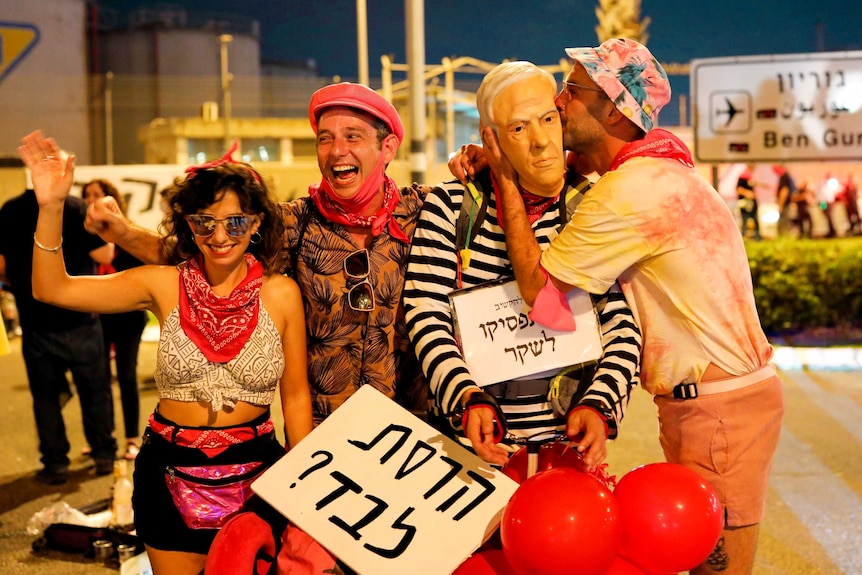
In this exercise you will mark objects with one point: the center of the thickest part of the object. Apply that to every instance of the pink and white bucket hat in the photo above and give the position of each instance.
(630, 76)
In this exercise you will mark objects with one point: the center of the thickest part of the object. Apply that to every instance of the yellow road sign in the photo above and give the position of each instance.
(16, 41)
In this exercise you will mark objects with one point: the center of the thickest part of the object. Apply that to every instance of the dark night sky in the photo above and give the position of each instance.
(537, 30)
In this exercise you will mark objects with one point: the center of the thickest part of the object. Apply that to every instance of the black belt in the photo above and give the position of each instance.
(518, 388)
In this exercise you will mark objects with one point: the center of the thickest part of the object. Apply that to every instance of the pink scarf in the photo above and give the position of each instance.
(345, 211)
(219, 326)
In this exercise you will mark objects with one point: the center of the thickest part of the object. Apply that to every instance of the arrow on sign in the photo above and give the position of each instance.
(16, 41)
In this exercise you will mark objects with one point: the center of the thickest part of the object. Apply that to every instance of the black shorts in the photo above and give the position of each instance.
(157, 522)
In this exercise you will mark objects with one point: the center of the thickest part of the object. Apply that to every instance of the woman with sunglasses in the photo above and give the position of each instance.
(232, 331)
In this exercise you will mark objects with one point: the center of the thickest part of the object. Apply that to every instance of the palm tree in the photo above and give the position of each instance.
(621, 19)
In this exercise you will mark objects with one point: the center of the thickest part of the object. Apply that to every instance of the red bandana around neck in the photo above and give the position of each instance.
(657, 143)
(535, 205)
(345, 211)
(219, 326)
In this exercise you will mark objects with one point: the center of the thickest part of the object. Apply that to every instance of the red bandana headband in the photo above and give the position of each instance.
(226, 159)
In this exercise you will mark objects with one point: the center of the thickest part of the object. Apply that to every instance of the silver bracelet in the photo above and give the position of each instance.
(46, 248)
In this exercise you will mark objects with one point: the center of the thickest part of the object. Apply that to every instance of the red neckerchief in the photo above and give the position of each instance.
(346, 211)
(535, 205)
(657, 143)
(219, 326)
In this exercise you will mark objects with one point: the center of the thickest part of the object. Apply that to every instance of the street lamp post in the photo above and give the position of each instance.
(226, 78)
(362, 40)
(415, 27)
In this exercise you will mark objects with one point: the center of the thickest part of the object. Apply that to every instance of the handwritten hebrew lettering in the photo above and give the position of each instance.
(347, 485)
(411, 463)
(404, 431)
(447, 477)
(410, 533)
(404, 471)
(488, 489)
(327, 459)
(353, 530)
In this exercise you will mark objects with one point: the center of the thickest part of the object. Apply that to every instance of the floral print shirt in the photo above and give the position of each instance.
(348, 348)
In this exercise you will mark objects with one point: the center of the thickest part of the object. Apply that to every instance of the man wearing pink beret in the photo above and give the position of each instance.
(347, 244)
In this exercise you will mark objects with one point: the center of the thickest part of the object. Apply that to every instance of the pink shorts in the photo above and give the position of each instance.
(730, 439)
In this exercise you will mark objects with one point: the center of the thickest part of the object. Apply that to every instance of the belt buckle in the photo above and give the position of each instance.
(685, 391)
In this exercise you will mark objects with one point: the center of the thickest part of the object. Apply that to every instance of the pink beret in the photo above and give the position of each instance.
(356, 96)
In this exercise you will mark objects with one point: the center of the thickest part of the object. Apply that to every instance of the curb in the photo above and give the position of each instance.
(821, 358)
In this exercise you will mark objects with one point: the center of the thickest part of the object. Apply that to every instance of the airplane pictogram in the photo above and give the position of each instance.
(731, 111)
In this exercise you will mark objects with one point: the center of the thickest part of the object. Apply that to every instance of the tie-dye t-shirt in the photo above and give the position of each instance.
(669, 237)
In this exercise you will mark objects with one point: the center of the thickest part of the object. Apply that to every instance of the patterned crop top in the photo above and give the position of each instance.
(184, 374)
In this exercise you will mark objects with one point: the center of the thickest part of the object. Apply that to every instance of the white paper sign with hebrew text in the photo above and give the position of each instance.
(385, 492)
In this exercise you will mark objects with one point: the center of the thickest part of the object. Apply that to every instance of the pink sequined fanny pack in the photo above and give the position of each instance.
(207, 496)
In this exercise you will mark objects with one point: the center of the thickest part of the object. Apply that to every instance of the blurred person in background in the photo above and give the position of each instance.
(55, 340)
(783, 192)
(849, 196)
(803, 198)
(121, 331)
(747, 203)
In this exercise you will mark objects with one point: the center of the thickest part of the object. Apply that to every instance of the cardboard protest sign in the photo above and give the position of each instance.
(385, 492)
(500, 342)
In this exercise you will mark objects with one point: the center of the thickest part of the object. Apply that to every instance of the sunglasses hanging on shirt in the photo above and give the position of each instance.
(360, 297)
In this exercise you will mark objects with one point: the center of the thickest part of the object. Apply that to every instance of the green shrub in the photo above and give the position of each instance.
(807, 284)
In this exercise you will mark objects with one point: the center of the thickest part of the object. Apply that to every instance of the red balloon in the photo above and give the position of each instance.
(552, 455)
(560, 521)
(622, 567)
(671, 517)
(487, 562)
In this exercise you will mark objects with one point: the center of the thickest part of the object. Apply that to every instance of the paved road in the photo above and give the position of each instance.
(814, 516)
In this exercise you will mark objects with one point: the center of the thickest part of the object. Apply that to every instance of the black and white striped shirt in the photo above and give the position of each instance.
(432, 274)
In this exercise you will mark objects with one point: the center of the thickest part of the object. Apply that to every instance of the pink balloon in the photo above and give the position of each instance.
(487, 562)
(671, 518)
(560, 521)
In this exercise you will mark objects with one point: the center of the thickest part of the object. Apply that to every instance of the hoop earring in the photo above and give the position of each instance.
(255, 240)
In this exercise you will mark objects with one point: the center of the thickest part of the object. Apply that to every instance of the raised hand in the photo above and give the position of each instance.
(51, 169)
(105, 218)
(497, 160)
(467, 162)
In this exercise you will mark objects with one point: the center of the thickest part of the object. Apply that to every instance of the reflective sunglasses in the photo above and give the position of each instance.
(204, 225)
(360, 297)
